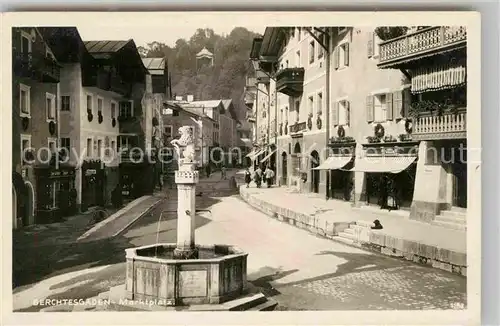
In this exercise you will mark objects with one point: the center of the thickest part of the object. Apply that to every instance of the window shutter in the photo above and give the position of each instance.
(370, 46)
(397, 99)
(406, 102)
(389, 106)
(347, 112)
(369, 109)
(336, 58)
(346, 54)
(335, 114)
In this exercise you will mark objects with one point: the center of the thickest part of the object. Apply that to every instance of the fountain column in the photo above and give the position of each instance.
(186, 179)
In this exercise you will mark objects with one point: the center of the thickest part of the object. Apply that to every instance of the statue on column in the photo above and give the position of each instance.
(185, 145)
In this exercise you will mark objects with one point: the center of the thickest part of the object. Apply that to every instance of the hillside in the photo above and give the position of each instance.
(225, 79)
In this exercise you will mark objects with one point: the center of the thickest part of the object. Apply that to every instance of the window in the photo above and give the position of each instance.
(124, 143)
(89, 103)
(343, 113)
(50, 106)
(321, 50)
(65, 103)
(99, 105)
(126, 109)
(66, 143)
(311, 52)
(175, 113)
(89, 147)
(311, 105)
(25, 42)
(380, 107)
(113, 145)
(113, 110)
(299, 34)
(168, 132)
(25, 147)
(99, 147)
(24, 100)
(320, 102)
(52, 143)
(286, 64)
(343, 55)
(297, 59)
(376, 47)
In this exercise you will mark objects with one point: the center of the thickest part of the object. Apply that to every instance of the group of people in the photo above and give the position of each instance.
(259, 177)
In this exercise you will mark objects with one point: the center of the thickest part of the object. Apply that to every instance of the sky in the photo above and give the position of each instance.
(147, 34)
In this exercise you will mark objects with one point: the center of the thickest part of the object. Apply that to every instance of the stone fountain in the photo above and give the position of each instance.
(183, 274)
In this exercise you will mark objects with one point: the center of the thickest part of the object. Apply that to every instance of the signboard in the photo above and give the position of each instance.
(60, 173)
(193, 283)
(23, 173)
(90, 172)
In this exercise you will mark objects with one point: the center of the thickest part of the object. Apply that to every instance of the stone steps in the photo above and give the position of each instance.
(455, 218)
(450, 225)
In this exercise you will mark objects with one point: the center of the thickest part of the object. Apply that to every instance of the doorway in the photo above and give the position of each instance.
(314, 173)
(459, 171)
(284, 168)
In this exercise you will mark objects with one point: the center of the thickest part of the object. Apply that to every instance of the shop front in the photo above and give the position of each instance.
(389, 174)
(55, 193)
(93, 185)
(338, 165)
(138, 177)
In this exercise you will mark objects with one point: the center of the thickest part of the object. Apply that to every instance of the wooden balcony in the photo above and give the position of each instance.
(290, 81)
(104, 80)
(37, 66)
(423, 43)
(262, 77)
(446, 126)
(297, 127)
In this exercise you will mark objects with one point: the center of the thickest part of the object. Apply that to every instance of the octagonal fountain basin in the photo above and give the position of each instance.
(218, 275)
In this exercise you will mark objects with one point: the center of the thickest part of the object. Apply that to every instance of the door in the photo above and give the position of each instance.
(314, 173)
(284, 169)
(459, 171)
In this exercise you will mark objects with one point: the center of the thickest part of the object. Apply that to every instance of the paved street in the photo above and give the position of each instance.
(300, 271)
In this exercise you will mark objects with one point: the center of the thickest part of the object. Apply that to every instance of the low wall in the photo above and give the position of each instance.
(364, 237)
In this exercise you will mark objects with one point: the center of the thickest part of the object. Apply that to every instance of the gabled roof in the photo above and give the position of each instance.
(207, 104)
(105, 46)
(204, 52)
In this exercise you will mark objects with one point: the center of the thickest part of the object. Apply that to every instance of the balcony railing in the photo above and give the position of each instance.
(446, 126)
(422, 42)
(290, 81)
(36, 65)
(298, 126)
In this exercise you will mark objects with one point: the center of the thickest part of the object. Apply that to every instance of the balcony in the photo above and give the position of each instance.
(249, 99)
(290, 81)
(251, 83)
(37, 66)
(423, 43)
(262, 77)
(446, 126)
(298, 127)
(104, 80)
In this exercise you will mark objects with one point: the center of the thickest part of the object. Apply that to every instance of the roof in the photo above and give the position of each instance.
(227, 103)
(207, 104)
(204, 52)
(154, 63)
(105, 46)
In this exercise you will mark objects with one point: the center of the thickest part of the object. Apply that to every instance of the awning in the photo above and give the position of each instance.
(252, 155)
(387, 164)
(268, 156)
(334, 163)
(438, 77)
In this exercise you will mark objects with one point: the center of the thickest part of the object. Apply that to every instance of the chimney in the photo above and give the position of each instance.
(189, 98)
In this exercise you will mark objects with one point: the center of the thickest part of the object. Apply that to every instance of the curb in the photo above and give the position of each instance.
(111, 218)
(147, 210)
(374, 248)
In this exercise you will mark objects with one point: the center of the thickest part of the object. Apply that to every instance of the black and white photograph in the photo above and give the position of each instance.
(230, 162)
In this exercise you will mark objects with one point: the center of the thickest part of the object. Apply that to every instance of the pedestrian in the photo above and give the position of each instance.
(208, 170)
(269, 173)
(258, 177)
(223, 172)
(248, 177)
(161, 182)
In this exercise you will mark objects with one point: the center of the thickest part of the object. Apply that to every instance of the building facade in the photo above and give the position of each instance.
(345, 112)
(38, 182)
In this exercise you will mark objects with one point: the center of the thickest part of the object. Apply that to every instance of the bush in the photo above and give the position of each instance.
(388, 33)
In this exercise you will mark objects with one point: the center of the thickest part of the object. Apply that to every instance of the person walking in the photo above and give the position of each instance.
(223, 172)
(269, 173)
(248, 177)
(258, 177)
(208, 170)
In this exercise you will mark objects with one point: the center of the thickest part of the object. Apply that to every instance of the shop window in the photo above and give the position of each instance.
(65, 103)
(24, 100)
